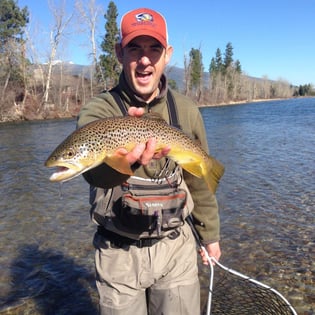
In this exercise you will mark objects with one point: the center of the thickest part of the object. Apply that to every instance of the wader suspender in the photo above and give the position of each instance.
(174, 196)
(172, 111)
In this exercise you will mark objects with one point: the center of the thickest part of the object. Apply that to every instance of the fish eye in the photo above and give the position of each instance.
(69, 154)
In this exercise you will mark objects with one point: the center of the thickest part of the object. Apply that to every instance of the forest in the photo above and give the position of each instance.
(32, 89)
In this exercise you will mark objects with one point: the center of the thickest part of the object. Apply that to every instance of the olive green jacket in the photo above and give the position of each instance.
(205, 210)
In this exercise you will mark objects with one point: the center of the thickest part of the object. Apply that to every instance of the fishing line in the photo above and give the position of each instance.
(60, 190)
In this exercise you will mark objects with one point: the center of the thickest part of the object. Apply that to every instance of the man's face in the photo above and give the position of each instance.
(144, 60)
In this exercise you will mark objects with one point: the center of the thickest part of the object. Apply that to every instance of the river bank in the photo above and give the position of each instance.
(19, 115)
(230, 103)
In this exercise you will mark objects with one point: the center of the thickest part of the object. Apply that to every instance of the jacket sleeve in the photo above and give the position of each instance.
(205, 212)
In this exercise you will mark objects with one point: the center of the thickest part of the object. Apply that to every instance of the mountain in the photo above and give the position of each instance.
(173, 73)
(178, 74)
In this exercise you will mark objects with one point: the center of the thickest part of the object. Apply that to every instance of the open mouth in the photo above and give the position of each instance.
(143, 77)
(61, 169)
(62, 174)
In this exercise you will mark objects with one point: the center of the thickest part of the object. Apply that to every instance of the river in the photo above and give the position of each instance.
(266, 199)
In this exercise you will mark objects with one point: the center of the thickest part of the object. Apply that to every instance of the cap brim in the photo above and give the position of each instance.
(127, 39)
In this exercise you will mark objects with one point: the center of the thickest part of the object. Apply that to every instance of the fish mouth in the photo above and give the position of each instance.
(64, 173)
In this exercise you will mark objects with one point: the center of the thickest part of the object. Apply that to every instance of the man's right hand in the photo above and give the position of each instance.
(143, 153)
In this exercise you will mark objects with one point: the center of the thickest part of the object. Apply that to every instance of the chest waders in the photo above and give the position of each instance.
(143, 210)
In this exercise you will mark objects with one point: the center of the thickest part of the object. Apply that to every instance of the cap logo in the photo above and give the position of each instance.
(144, 17)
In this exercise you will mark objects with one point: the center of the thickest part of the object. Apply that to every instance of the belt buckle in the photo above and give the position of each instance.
(173, 235)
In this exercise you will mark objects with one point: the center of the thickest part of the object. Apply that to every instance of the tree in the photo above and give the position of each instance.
(13, 21)
(172, 84)
(12, 47)
(88, 15)
(228, 56)
(225, 76)
(187, 70)
(108, 63)
(218, 61)
(215, 74)
(228, 70)
(304, 90)
(196, 73)
(238, 66)
(61, 22)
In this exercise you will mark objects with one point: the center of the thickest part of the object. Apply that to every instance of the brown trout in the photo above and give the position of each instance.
(97, 142)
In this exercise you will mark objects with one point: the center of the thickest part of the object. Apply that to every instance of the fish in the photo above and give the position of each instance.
(97, 142)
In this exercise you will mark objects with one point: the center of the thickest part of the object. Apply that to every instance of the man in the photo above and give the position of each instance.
(146, 261)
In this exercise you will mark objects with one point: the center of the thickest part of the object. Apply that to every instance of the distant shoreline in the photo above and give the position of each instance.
(231, 103)
(74, 115)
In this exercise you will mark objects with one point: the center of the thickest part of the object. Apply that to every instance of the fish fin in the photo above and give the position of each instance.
(193, 168)
(213, 172)
(119, 162)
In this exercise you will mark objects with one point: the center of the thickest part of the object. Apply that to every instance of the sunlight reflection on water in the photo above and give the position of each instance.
(266, 199)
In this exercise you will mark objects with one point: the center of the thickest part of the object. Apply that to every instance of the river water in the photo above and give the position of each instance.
(266, 199)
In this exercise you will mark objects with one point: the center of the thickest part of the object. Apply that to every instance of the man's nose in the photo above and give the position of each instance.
(144, 59)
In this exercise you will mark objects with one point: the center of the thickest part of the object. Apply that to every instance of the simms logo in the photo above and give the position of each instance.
(154, 205)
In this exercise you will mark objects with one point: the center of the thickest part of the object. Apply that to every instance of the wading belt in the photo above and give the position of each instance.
(172, 111)
(121, 241)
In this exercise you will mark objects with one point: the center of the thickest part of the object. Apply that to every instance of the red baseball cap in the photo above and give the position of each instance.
(143, 21)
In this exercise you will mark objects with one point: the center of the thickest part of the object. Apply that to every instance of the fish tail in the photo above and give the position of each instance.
(213, 172)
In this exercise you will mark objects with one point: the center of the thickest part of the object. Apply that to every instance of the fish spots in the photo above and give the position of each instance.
(97, 141)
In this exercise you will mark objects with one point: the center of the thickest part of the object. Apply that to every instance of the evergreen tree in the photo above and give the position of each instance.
(212, 68)
(228, 56)
(216, 67)
(224, 75)
(238, 67)
(172, 84)
(304, 90)
(218, 60)
(12, 22)
(215, 70)
(108, 61)
(196, 71)
(229, 70)
(12, 47)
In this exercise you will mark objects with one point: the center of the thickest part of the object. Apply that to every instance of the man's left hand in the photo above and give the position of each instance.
(213, 250)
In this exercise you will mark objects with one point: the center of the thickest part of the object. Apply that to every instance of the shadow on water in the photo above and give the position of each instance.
(47, 282)
(266, 200)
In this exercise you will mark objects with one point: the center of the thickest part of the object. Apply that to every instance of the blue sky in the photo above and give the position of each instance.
(273, 38)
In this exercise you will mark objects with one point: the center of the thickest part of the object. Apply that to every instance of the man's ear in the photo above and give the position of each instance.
(119, 52)
(168, 54)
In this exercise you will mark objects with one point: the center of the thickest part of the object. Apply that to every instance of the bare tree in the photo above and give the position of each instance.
(33, 53)
(187, 74)
(61, 22)
(89, 13)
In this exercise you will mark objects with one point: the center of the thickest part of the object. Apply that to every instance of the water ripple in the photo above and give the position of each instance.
(266, 200)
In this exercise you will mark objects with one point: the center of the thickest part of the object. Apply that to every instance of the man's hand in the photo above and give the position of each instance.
(135, 111)
(213, 250)
(143, 153)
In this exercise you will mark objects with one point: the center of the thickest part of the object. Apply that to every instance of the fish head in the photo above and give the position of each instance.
(72, 158)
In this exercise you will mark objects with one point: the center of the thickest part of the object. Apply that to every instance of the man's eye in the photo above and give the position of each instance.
(157, 49)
